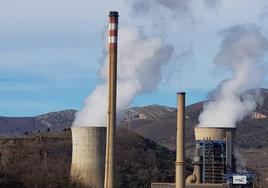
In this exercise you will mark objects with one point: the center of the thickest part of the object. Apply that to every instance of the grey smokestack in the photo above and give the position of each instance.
(180, 156)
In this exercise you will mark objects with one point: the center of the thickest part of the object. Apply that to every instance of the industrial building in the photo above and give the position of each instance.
(214, 165)
(93, 158)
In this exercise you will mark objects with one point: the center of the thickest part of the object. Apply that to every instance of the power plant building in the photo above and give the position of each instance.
(93, 156)
(213, 162)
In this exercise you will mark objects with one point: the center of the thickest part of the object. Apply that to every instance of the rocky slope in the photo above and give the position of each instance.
(163, 128)
(56, 121)
(154, 122)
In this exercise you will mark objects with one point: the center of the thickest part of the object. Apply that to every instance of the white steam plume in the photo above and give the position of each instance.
(241, 162)
(176, 7)
(140, 60)
(242, 50)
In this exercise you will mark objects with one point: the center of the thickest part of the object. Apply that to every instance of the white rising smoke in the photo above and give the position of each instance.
(241, 162)
(242, 51)
(140, 60)
(175, 7)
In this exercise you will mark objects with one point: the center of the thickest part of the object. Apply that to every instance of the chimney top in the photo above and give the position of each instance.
(113, 14)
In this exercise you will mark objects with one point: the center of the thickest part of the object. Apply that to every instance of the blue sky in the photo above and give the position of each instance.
(50, 50)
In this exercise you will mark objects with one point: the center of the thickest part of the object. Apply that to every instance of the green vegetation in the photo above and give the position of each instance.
(43, 161)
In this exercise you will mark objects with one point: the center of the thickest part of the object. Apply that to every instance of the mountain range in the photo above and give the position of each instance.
(158, 123)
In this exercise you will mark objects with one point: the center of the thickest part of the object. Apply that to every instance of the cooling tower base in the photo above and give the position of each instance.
(88, 157)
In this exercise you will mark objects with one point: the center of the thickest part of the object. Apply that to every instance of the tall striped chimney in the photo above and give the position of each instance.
(110, 177)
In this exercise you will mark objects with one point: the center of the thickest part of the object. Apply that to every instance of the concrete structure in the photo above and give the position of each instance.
(213, 133)
(213, 160)
(88, 156)
(172, 185)
(180, 155)
(221, 136)
(109, 181)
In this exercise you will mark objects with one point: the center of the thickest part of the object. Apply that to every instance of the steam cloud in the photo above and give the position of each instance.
(242, 50)
(241, 162)
(212, 3)
(139, 70)
(176, 7)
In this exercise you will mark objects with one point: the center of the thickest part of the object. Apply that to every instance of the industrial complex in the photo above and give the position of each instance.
(93, 157)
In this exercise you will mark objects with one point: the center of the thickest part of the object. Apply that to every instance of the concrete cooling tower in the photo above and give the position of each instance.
(213, 133)
(88, 157)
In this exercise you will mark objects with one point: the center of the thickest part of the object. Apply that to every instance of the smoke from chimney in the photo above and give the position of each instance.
(241, 162)
(140, 60)
(174, 7)
(242, 51)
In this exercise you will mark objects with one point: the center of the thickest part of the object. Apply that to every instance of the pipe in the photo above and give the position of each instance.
(109, 181)
(88, 156)
(195, 178)
(180, 156)
(197, 164)
(191, 179)
(230, 134)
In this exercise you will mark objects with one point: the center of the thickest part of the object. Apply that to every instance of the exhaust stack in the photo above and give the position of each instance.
(109, 181)
(180, 155)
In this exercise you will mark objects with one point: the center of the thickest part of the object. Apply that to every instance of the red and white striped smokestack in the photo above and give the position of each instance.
(109, 181)
(113, 29)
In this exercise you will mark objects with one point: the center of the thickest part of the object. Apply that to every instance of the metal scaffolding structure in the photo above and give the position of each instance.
(213, 159)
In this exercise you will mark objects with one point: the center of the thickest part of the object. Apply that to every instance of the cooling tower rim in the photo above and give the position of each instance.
(87, 127)
(210, 127)
(213, 133)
